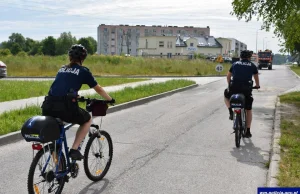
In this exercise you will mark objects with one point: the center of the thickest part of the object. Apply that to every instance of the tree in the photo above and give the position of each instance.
(94, 43)
(48, 46)
(29, 44)
(282, 14)
(36, 49)
(17, 38)
(15, 48)
(87, 44)
(64, 42)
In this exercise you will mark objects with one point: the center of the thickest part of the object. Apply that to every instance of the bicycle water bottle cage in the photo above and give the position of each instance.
(237, 101)
(41, 129)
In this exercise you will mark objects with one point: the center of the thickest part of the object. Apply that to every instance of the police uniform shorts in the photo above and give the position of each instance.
(70, 114)
(248, 97)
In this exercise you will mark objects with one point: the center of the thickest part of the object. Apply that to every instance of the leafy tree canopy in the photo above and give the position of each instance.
(87, 44)
(282, 14)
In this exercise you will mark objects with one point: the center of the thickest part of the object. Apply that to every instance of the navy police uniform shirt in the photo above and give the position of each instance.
(71, 78)
(242, 71)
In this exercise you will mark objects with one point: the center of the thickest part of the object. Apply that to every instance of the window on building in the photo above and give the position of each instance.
(146, 43)
(171, 44)
(178, 31)
(191, 44)
(112, 45)
(105, 30)
(112, 39)
(161, 44)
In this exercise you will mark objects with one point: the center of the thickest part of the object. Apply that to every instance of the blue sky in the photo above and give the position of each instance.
(38, 19)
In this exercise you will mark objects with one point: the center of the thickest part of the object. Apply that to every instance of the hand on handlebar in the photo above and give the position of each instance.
(111, 102)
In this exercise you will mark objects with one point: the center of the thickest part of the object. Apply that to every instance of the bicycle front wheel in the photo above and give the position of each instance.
(98, 156)
(41, 177)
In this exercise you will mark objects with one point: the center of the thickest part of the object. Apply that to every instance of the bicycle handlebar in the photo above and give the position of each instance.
(89, 100)
(256, 87)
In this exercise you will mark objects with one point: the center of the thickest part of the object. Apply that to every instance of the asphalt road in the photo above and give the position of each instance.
(178, 144)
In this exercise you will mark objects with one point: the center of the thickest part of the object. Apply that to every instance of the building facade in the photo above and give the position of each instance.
(237, 47)
(117, 39)
(178, 45)
(226, 46)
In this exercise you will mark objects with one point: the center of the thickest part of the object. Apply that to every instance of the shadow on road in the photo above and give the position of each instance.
(249, 154)
(95, 187)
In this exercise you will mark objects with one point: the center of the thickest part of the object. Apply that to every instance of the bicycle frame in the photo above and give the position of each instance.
(62, 142)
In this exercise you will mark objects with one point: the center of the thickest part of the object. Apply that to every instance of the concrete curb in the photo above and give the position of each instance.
(294, 72)
(16, 136)
(275, 151)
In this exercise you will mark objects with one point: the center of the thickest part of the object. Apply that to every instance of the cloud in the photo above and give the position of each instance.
(37, 18)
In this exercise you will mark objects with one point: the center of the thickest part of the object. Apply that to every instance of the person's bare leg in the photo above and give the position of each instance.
(81, 133)
(249, 118)
(226, 100)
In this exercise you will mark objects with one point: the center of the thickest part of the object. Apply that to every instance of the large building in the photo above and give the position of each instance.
(237, 47)
(178, 45)
(226, 46)
(118, 39)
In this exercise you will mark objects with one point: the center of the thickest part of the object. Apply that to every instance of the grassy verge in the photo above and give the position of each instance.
(111, 65)
(13, 120)
(296, 70)
(14, 90)
(289, 174)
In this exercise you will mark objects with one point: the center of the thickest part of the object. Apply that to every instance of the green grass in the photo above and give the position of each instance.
(296, 70)
(289, 167)
(111, 65)
(13, 120)
(14, 90)
(293, 97)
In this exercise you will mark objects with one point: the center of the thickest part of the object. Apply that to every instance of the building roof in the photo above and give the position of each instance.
(203, 41)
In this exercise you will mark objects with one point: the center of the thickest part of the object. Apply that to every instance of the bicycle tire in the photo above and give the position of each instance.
(99, 173)
(237, 131)
(30, 184)
(245, 125)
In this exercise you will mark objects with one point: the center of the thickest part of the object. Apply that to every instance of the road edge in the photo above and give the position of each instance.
(16, 136)
(294, 72)
(275, 150)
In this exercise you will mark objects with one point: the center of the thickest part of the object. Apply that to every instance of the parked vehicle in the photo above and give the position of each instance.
(3, 70)
(227, 59)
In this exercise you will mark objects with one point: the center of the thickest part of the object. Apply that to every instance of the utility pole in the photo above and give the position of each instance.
(256, 40)
(264, 43)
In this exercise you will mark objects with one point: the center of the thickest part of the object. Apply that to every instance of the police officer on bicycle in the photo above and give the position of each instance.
(61, 101)
(241, 73)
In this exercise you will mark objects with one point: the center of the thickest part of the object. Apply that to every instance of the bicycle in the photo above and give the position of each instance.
(54, 167)
(237, 103)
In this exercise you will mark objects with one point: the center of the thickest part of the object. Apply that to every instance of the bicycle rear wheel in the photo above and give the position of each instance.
(237, 130)
(244, 123)
(98, 156)
(45, 182)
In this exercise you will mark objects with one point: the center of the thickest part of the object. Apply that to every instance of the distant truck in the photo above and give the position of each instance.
(265, 59)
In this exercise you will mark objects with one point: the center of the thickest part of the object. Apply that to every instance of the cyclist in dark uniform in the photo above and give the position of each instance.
(241, 82)
(61, 101)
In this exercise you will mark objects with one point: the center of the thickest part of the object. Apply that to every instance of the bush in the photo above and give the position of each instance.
(22, 54)
(4, 52)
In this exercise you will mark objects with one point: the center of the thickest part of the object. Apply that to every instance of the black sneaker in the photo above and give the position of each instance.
(75, 154)
(248, 134)
(230, 115)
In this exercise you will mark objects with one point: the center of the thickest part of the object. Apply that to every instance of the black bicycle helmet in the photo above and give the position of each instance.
(245, 54)
(77, 51)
